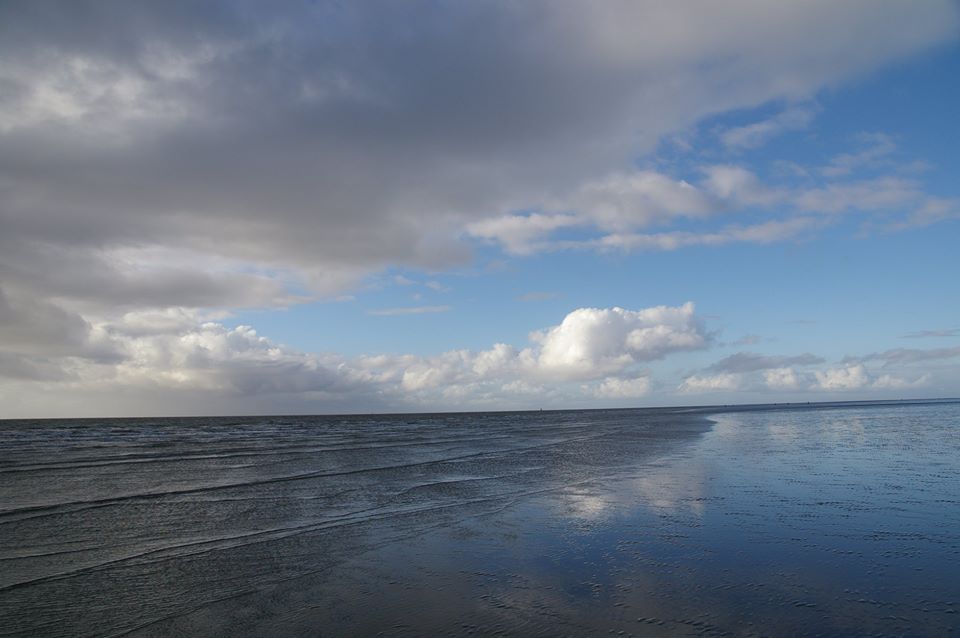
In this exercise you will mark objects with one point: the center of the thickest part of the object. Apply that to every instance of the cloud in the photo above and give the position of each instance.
(702, 384)
(23, 368)
(763, 233)
(164, 163)
(758, 133)
(852, 377)
(143, 277)
(607, 214)
(907, 356)
(615, 388)
(521, 234)
(737, 187)
(925, 334)
(929, 210)
(881, 194)
(589, 344)
(755, 373)
(624, 202)
(171, 356)
(433, 285)
(436, 286)
(184, 361)
(220, 359)
(887, 381)
(302, 147)
(159, 356)
(410, 310)
(878, 148)
(592, 342)
(752, 362)
(856, 377)
(38, 326)
(782, 379)
(638, 199)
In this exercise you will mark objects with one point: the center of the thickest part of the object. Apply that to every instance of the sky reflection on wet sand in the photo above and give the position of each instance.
(793, 522)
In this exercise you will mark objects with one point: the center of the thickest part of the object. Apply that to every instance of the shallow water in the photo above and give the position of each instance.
(838, 520)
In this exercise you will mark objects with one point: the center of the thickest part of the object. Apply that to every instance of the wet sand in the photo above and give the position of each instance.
(836, 520)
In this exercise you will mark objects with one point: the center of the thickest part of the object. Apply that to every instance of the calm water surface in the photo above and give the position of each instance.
(839, 520)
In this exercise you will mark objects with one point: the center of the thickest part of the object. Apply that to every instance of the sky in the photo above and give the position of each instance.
(330, 207)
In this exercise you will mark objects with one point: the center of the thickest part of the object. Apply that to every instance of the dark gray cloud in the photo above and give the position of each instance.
(137, 279)
(337, 138)
(752, 362)
(38, 326)
(32, 368)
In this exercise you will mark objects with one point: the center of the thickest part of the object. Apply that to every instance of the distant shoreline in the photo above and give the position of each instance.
(694, 409)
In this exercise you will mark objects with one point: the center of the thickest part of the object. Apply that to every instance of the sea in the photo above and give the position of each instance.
(780, 520)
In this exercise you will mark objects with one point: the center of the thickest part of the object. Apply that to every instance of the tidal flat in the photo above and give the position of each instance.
(827, 519)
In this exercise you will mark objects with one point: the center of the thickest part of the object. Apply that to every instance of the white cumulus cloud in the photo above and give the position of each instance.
(616, 388)
(591, 342)
(177, 355)
(851, 377)
(782, 379)
(701, 384)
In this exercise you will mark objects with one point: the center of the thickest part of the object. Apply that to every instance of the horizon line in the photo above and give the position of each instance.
(714, 408)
